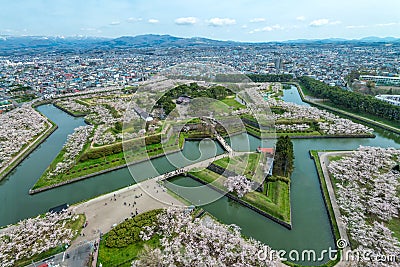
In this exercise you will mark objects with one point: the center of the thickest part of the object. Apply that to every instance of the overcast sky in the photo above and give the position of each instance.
(239, 20)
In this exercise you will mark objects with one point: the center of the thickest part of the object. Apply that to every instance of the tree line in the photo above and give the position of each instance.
(284, 156)
(262, 78)
(352, 100)
(192, 90)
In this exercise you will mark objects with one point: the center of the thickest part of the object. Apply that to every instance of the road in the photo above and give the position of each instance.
(76, 257)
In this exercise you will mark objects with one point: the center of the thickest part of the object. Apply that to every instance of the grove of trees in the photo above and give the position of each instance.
(352, 100)
(262, 78)
(192, 90)
(283, 160)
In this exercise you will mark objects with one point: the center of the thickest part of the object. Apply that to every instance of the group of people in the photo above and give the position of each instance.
(173, 173)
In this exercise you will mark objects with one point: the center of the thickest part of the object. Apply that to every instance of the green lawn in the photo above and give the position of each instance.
(122, 256)
(230, 101)
(394, 225)
(277, 203)
(123, 243)
(244, 164)
(91, 166)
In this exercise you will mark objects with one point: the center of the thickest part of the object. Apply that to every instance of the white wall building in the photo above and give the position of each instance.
(385, 80)
(392, 99)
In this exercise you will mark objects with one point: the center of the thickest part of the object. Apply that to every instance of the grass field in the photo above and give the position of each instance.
(123, 256)
(276, 203)
(230, 101)
(327, 200)
(244, 164)
(91, 166)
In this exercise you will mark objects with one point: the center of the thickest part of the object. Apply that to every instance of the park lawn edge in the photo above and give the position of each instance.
(116, 161)
(345, 113)
(328, 205)
(286, 218)
(32, 146)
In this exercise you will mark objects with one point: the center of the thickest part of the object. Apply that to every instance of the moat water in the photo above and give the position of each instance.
(311, 227)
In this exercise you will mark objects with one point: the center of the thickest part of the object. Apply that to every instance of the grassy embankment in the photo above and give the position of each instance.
(370, 119)
(274, 198)
(113, 156)
(36, 141)
(327, 201)
(393, 225)
(109, 160)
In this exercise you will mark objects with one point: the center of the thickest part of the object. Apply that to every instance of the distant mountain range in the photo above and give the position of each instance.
(371, 39)
(8, 43)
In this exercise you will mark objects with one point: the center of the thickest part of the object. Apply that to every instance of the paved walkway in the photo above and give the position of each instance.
(105, 211)
(113, 208)
(324, 159)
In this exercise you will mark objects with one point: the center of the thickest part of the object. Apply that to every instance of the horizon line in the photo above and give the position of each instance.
(194, 37)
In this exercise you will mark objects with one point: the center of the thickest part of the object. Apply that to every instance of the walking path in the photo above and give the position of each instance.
(220, 139)
(105, 211)
(324, 159)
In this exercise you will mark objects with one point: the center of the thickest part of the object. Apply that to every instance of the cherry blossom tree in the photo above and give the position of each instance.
(35, 235)
(188, 242)
(367, 187)
(239, 184)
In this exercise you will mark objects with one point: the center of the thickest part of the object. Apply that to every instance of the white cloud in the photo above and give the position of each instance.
(301, 18)
(217, 22)
(323, 22)
(153, 21)
(132, 20)
(356, 26)
(114, 23)
(336, 22)
(319, 22)
(257, 20)
(186, 21)
(268, 29)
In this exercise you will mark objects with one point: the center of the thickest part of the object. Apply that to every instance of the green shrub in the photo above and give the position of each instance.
(128, 231)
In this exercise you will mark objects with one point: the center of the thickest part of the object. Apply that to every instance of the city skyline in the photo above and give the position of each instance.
(246, 20)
